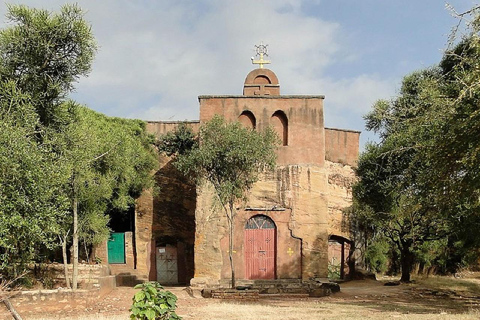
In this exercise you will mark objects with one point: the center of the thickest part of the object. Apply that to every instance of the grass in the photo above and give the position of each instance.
(427, 298)
(467, 285)
(305, 310)
(90, 317)
(310, 310)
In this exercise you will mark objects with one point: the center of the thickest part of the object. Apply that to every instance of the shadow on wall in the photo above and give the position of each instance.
(173, 225)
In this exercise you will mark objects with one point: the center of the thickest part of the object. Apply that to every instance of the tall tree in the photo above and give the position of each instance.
(422, 178)
(108, 161)
(230, 158)
(31, 199)
(60, 162)
(45, 53)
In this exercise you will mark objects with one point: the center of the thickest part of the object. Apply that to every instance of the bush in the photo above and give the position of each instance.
(376, 256)
(333, 271)
(153, 302)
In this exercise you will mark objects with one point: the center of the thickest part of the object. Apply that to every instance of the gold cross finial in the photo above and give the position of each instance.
(261, 50)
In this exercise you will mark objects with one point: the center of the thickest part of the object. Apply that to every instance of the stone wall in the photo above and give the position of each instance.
(165, 215)
(341, 146)
(340, 181)
(294, 197)
(304, 121)
(159, 128)
(89, 275)
(28, 303)
(235, 294)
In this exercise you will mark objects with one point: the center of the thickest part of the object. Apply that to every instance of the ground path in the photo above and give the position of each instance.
(366, 299)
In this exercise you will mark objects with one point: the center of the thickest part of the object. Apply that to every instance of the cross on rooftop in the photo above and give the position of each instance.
(261, 50)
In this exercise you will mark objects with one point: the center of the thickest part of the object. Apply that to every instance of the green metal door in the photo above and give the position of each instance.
(116, 248)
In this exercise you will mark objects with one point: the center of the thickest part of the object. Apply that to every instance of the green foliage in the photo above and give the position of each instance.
(45, 53)
(433, 253)
(108, 162)
(230, 157)
(153, 302)
(179, 141)
(31, 201)
(111, 158)
(376, 255)
(55, 155)
(420, 185)
(334, 271)
(392, 196)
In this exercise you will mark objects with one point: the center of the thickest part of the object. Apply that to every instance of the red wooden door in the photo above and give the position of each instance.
(260, 248)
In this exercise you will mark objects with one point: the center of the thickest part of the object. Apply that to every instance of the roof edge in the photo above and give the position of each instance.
(289, 96)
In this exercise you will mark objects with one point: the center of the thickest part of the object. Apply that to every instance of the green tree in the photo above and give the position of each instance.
(108, 162)
(392, 197)
(423, 176)
(31, 200)
(72, 163)
(45, 53)
(230, 158)
(179, 141)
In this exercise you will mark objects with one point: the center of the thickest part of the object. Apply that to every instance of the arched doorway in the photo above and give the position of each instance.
(260, 248)
(340, 252)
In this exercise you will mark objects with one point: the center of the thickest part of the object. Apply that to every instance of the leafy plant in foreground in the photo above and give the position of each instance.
(153, 302)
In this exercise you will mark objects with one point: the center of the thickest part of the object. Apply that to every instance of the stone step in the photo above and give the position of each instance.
(264, 283)
(121, 269)
(127, 280)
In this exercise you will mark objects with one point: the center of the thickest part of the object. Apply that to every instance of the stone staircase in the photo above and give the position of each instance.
(319, 287)
(285, 286)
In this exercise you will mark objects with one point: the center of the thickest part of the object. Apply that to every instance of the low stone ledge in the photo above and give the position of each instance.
(29, 303)
(316, 287)
(204, 282)
(59, 295)
(230, 294)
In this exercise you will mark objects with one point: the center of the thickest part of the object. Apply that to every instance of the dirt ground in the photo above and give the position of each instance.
(437, 298)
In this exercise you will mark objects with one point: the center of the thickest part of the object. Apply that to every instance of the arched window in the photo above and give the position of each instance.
(279, 122)
(260, 222)
(248, 119)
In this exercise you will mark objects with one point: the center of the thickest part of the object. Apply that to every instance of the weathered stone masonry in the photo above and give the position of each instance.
(299, 205)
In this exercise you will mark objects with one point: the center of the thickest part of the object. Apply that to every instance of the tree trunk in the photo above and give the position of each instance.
(230, 246)
(65, 262)
(87, 255)
(12, 310)
(406, 257)
(75, 242)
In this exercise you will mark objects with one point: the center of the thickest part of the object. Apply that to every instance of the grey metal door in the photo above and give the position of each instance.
(167, 266)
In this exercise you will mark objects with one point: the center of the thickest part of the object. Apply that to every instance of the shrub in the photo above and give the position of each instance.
(153, 302)
(333, 271)
(376, 255)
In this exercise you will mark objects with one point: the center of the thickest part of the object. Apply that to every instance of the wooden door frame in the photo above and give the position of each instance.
(248, 273)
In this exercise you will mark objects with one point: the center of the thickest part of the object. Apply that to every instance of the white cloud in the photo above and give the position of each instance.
(156, 57)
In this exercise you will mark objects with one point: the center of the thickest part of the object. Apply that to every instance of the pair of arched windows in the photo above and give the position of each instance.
(278, 121)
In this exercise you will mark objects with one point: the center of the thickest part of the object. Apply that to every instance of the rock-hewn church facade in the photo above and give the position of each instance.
(292, 226)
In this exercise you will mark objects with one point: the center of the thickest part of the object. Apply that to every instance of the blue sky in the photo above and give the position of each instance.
(156, 57)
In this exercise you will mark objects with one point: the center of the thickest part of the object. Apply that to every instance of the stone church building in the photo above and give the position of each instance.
(291, 227)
